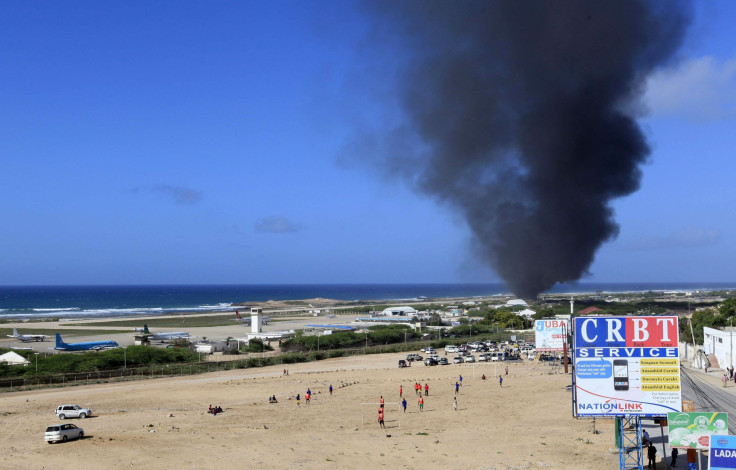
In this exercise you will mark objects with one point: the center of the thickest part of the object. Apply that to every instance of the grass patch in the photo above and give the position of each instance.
(172, 322)
(51, 332)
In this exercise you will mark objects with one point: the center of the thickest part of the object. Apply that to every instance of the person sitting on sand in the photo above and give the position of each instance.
(484, 377)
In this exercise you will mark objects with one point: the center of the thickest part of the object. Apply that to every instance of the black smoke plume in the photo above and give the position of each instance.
(521, 115)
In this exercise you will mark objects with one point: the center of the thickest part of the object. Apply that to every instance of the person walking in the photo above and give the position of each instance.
(455, 404)
(403, 404)
(675, 452)
(380, 418)
(298, 400)
(421, 403)
(461, 380)
(724, 379)
(652, 455)
(426, 390)
(416, 388)
(330, 389)
(401, 391)
(500, 381)
(381, 401)
(507, 371)
(457, 388)
(308, 396)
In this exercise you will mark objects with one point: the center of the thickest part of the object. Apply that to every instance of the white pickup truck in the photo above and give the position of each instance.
(72, 411)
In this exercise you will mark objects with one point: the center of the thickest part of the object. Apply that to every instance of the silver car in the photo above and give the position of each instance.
(72, 411)
(63, 432)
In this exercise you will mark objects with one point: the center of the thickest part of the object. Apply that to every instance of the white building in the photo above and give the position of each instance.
(720, 343)
(14, 359)
(400, 311)
(527, 312)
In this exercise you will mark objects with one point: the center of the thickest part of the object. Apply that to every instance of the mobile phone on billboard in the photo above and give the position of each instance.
(620, 374)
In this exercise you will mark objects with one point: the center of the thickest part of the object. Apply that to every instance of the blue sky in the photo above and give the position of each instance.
(198, 142)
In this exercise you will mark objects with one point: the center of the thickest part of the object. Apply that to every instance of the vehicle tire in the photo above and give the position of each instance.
(82, 415)
(81, 434)
(61, 416)
(63, 438)
(50, 442)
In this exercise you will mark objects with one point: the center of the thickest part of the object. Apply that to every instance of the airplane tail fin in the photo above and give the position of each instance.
(59, 342)
(15, 331)
(145, 329)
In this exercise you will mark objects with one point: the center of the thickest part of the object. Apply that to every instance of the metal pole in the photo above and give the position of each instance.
(564, 346)
(36, 362)
(125, 358)
(664, 456)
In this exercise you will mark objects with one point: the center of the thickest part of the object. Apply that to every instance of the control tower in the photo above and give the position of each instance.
(255, 320)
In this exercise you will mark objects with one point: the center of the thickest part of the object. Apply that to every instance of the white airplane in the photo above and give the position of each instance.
(165, 336)
(246, 320)
(26, 338)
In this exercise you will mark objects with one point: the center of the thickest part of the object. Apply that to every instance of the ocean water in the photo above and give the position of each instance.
(20, 302)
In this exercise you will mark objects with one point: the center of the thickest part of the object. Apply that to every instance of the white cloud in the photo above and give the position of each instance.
(701, 89)
(277, 225)
(180, 194)
(687, 237)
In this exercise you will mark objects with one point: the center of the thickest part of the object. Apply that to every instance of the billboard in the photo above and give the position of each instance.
(626, 366)
(722, 453)
(549, 335)
(694, 430)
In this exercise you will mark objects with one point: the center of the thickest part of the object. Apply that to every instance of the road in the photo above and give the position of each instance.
(708, 394)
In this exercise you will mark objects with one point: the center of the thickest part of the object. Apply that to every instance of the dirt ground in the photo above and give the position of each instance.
(163, 423)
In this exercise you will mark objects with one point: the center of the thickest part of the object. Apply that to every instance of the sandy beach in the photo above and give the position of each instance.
(163, 423)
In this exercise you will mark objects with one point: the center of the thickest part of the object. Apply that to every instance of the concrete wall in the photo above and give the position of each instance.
(720, 343)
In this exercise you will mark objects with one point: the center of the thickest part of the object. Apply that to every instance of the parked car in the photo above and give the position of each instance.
(403, 363)
(430, 362)
(444, 361)
(414, 357)
(72, 411)
(470, 358)
(458, 360)
(485, 357)
(63, 432)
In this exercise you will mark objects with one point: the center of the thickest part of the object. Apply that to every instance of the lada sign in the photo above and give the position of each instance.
(626, 366)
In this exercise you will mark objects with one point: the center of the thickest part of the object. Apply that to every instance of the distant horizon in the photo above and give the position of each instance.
(412, 283)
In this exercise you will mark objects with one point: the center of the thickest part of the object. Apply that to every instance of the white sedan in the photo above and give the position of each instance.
(458, 360)
(470, 358)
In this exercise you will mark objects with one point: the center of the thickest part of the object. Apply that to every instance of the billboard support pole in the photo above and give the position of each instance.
(664, 455)
(564, 347)
(572, 376)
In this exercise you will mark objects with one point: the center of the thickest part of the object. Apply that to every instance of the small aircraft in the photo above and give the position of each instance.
(88, 346)
(165, 336)
(246, 320)
(26, 338)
